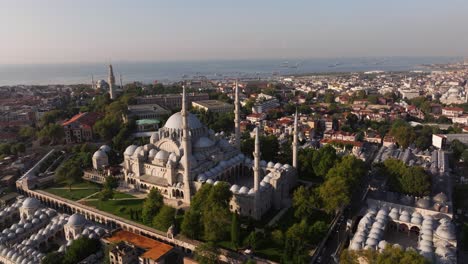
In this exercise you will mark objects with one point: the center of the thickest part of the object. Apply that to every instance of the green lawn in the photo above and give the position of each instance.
(118, 207)
(84, 184)
(74, 194)
(120, 195)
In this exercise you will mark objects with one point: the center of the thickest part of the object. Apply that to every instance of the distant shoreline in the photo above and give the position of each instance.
(169, 72)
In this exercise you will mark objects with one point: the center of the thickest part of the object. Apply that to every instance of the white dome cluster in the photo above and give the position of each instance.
(21, 254)
(369, 234)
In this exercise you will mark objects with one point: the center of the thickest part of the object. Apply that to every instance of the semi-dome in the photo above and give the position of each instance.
(30, 203)
(176, 121)
(152, 153)
(204, 142)
(99, 154)
(76, 220)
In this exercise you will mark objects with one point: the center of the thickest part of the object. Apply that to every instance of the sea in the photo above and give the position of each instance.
(168, 72)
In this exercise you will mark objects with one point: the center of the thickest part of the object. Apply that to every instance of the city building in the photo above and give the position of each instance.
(213, 106)
(171, 101)
(79, 128)
(264, 102)
(147, 111)
(133, 248)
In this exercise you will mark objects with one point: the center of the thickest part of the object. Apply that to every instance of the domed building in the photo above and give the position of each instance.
(100, 159)
(184, 154)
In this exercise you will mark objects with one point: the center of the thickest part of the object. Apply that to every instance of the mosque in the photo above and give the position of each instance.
(184, 154)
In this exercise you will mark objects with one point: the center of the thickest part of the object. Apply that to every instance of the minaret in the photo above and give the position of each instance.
(256, 155)
(294, 144)
(237, 117)
(187, 147)
(111, 83)
(93, 86)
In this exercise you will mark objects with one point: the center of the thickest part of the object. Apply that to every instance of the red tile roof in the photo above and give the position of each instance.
(85, 119)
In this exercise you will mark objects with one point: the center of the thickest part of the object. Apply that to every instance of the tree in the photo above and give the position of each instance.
(81, 248)
(389, 255)
(53, 133)
(164, 219)
(53, 257)
(334, 193)
(27, 132)
(216, 214)
(324, 159)
(403, 133)
(409, 180)
(206, 253)
(151, 206)
(304, 202)
(295, 246)
(235, 231)
(251, 240)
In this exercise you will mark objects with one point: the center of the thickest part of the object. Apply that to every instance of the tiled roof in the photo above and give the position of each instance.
(154, 249)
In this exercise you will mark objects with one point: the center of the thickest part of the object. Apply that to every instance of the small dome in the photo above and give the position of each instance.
(209, 181)
(383, 244)
(423, 203)
(405, 217)
(355, 246)
(162, 155)
(440, 198)
(244, 190)
(201, 177)
(270, 164)
(130, 150)
(251, 191)
(235, 188)
(278, 166)
(371, 242)
(446, 231)
(263, 163)
(31, 203)
(76, 220)
(105, 148)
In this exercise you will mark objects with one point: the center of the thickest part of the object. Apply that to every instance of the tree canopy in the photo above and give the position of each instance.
(411, 180)
(389, 255)
(151, 206)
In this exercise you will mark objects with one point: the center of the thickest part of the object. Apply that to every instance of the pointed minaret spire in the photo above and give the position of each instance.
(93, 85)
(237, 117)
(187, 147)
(111, 83)
(257, 155)
(294, 161)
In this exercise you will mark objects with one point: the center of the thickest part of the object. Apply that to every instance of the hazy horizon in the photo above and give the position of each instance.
(107, 31)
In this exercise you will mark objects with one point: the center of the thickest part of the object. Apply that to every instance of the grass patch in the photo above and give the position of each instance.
(120, 195)
(84, 184)
(119, 208)
(74, 194)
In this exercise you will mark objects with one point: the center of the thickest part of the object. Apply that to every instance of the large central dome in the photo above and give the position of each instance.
(175, 121)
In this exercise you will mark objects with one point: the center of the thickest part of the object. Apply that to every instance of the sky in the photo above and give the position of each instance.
(79, 31)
